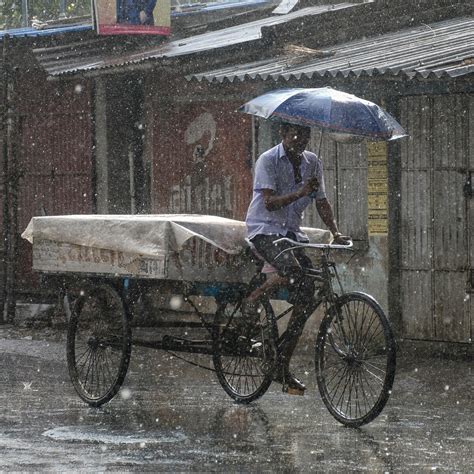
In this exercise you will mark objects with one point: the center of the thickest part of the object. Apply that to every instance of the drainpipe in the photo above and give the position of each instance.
(62, 9)
(10, 194)
(24, 14)
(15, 132)
(6, 194)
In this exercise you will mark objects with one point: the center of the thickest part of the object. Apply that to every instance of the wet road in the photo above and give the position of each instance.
(170, 416)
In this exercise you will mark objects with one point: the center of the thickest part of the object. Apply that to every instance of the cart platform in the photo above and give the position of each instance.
(178, 247)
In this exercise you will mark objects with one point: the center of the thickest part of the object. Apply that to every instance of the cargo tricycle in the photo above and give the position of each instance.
(103, 264)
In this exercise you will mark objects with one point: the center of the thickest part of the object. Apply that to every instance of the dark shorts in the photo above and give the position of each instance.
(288, 264)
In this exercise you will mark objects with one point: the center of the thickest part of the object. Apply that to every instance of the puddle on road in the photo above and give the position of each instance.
(92, 434)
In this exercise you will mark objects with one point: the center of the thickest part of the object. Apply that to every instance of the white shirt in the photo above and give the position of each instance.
(273, 170)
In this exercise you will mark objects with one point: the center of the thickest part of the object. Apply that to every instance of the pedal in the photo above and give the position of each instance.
(292, 391)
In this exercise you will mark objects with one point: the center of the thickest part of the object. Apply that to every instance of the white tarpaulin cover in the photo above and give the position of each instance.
(146, 234)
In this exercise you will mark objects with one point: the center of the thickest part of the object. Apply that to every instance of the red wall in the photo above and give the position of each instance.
(55, 151)
(217, 184)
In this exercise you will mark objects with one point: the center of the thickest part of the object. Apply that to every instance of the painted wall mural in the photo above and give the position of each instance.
(202, 164)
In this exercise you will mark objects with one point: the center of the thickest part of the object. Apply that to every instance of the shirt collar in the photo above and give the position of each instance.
(282, 152)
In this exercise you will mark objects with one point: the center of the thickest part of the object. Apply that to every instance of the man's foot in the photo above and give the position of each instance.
(290, 384)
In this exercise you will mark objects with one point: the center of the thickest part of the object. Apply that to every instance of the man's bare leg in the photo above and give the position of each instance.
(274, 280)
(294, 329)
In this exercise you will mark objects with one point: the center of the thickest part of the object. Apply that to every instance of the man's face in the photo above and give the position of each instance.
(295, 139)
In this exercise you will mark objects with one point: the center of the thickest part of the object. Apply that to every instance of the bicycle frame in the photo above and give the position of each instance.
(325, 292)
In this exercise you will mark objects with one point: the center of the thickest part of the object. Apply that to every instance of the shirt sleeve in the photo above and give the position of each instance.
(265, 177)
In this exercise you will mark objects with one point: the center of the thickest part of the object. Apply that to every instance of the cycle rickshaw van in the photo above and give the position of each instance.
(103, 264)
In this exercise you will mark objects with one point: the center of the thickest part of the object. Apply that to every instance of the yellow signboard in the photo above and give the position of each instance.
(377, 187)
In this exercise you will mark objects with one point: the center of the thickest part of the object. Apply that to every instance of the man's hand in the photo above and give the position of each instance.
(312, 185)
(340, 239)
(273, 202)
(143, 17)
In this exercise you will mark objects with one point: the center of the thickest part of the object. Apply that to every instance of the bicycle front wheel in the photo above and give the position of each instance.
(98, 344)
(355, 359)
(245, 352)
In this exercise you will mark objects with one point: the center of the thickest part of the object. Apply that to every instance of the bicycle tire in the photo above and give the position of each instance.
(99, 344)
(244, 355)
(355, 359)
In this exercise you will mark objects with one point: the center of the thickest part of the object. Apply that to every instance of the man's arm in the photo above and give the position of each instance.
(274, 202)
(327, 215)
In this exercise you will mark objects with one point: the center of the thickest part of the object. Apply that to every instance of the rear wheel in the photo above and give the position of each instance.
(355, 359)
(245, 353)
(98, 344)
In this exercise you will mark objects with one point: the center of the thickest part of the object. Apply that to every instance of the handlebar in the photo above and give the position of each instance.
(297, 244)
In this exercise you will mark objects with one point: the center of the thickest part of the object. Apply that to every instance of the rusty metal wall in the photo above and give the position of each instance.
(201, 157)
(435, 228)
(55, 155)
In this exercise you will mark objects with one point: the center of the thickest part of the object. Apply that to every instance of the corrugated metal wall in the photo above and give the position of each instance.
(435, 225)
(54, 156)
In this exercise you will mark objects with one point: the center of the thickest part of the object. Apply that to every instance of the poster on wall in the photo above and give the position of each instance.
(132, 17)
(377, 187)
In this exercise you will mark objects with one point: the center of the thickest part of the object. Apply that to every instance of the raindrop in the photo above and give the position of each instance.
(142, 444)
(446, 387)
(78, 88)
(125, 393)
(176, 302)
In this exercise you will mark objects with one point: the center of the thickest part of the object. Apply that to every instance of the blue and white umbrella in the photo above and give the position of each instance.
(344, 116)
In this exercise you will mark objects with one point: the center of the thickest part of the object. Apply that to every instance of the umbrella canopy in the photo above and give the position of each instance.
(344, 115)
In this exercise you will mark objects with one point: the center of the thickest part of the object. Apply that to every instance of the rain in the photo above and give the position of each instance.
(237, 235)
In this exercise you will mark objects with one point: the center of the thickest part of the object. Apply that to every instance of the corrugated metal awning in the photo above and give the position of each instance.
(443, 48)
(98, 54)
(31, 32)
